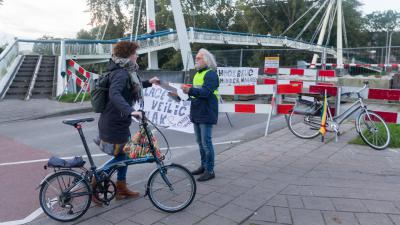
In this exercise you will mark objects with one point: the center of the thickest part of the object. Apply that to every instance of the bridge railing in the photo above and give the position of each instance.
(7, 58)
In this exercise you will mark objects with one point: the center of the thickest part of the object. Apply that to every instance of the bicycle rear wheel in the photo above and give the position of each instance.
(373, 130)
(65, 196)
(171, 188)
(304, 126)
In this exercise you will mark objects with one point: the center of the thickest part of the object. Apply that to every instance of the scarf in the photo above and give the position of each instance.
(132, 69)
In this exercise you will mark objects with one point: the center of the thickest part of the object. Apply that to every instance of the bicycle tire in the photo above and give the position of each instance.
(302, 129)
(378, 126)
(59, 180)
(160, 202)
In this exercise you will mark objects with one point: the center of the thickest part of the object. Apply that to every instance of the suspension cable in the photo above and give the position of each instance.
(138, 19)
(319, 27)
(331, 20)
(133, 19)
(311, 20)
(263, 17)
(216, 17)
(108, 20)
(344, 31)
(305, 13)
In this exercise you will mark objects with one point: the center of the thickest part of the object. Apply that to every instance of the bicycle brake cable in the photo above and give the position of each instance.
(162, 134)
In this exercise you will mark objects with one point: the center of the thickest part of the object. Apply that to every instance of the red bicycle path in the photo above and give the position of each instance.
(18, 182)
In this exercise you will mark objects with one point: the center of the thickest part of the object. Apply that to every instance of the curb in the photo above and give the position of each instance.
(50, 115)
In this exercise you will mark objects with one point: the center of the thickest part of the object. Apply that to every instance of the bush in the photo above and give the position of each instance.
(394, 137)
(70, 97)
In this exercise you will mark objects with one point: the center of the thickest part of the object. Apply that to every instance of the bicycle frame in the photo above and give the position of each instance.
(355, 106)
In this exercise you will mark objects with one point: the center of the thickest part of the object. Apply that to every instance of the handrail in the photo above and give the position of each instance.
(8, 49)
(33, 81)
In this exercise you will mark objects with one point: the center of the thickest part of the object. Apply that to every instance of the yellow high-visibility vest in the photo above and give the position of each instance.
(198, 81)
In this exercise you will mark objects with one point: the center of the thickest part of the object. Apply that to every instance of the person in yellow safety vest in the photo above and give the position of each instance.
(204, 110)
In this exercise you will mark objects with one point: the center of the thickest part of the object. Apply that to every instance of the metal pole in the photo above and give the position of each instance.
(339, 37)
(322, 34)
(151, 28)
(241, 57)
(390, 45)
(182, 33)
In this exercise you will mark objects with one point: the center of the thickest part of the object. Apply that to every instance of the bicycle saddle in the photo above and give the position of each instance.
(73, 122)
(76, 162)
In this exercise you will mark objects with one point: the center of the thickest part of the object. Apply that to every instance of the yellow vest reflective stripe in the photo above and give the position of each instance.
(198, 81)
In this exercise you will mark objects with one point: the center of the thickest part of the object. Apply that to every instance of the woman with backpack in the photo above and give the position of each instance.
(125, 88)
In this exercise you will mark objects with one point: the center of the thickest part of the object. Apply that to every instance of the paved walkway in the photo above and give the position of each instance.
(14, 110)
(281, 179)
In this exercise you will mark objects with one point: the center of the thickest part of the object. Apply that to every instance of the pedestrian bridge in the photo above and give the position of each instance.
(96, 51)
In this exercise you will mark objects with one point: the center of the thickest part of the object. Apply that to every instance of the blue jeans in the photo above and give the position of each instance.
(203, 134)
(121, 171)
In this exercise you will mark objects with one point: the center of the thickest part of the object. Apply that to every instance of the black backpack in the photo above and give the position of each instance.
(99, 91)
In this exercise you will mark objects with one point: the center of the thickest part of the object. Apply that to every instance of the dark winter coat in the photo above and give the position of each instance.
(114, 122)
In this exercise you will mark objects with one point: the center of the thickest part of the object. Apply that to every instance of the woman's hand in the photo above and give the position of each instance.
(185, 88)
(137, 114)
(155, 80)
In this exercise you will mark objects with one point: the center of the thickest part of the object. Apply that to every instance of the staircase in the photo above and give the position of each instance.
(44, 81)
(22, 80)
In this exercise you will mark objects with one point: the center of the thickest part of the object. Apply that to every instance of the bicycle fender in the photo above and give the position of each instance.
(50, 174)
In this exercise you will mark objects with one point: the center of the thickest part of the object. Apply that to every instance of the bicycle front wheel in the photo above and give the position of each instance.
(65, 196)
(171, 188)
(373, 130)
(304, 126)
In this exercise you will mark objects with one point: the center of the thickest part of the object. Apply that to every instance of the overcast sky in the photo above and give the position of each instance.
(34, 18)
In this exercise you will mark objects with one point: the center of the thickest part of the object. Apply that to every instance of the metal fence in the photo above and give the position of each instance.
(369, 60)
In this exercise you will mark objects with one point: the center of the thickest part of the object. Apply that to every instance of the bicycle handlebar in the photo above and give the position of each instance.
(357, 92)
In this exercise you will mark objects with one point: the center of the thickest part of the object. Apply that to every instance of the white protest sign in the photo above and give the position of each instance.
(237, 75)
(164, 111)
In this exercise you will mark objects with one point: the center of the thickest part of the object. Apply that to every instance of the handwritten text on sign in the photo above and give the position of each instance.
(237, 75)
(164, 111)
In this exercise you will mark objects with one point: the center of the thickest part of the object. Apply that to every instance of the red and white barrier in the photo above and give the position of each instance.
(245, 108)
(300, 72)
(246, 90)
(334, 65)
(389, 117)
(78, 80)
(80, 69)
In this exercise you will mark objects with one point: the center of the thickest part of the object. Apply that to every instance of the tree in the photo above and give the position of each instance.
(382, 21)
(44, 48)
(379, 24)
(84, 34)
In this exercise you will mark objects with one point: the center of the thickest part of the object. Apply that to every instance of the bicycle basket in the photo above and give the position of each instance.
(306, 107)
(139, 147)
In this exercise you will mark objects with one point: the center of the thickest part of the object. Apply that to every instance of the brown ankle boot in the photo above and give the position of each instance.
(123, 192)
(97, 202)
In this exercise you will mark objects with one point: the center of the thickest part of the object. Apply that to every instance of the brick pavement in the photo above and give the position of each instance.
(281, 179)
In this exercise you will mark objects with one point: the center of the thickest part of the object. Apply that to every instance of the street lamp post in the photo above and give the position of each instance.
(390, 45)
